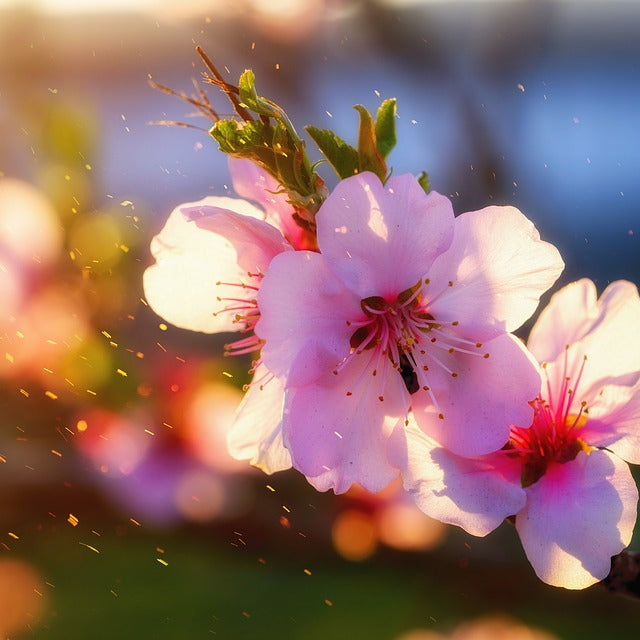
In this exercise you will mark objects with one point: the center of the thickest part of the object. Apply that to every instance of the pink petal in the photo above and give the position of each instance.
(252, 182)
(604, 331)
(181, 287)
(476, 494)
(498, 267)
(614, 421)
(337, 439)
(483, 401)
(304, 312)
(611, 344)
(256, 433)
(577, 516)
(381, 241)
(568, 316)
(254, 241)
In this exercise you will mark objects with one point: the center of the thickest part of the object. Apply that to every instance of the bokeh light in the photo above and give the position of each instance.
(354, 535)
(30, 229)
(208, 417)
(22, 596)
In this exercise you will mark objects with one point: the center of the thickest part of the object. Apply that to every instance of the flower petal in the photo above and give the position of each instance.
(568, 316)
(304, 312)
(476, 494)
(256, 433)
(252, 182)
(498, 268)
(381, 241)
(577, 516)
(255, 242)
(181, 287)
(480, 404)
(611, 343)
(614, 421)
(337, 439)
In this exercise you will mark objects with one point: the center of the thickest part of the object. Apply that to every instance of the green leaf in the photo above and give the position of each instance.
(370, 158)
(250, 98)
(285, 157)
(423, 180)
(386, 127)
(250, 140)
(340, 155)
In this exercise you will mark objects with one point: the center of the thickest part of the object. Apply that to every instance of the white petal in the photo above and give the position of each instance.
(256, 433)
(182, 286)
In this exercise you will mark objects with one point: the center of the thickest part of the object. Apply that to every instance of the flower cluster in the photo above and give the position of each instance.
(382, 331)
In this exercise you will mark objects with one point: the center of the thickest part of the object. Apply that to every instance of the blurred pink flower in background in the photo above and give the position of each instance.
(405, 312)
(30, 240)
(564, 476)
(115, 443)
(496, 627)
(41, 321)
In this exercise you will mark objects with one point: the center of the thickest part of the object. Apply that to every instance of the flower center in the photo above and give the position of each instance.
(403, 335)
(554, 435)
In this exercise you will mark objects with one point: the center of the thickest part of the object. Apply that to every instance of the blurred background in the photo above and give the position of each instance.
(121, 515)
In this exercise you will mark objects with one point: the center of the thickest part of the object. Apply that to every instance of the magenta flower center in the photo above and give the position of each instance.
(403, 335)
(554, 435)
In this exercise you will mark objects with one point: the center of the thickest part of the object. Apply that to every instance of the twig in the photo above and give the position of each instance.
(231, 91)
(624, 576)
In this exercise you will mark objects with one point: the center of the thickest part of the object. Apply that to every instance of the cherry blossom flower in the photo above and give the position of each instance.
(211, 256)
(564, 477)
(405, 310)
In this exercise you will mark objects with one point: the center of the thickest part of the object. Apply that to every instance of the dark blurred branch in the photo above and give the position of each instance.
(624, 576)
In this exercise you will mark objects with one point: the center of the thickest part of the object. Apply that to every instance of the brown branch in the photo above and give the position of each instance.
(231, 91)
(624, 576)
(203, 106)
(175, 123)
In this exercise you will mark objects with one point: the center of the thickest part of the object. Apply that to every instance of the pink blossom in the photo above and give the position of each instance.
(564, 477)
(211, 256)
(404, 312)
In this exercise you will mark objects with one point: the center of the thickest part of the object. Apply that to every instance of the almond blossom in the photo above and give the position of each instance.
(564, 474)
(405, 312)
(210, 257)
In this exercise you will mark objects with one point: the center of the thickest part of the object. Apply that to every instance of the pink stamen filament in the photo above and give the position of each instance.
(401, 329)
(553, 436)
